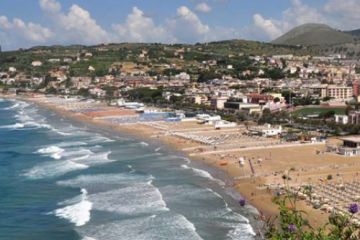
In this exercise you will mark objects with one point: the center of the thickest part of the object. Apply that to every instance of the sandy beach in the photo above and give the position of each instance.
(265, 160)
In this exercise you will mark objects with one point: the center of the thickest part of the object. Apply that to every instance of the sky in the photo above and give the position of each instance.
(27, 23)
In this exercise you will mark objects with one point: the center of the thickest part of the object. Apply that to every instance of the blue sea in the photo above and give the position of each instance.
(62, 180)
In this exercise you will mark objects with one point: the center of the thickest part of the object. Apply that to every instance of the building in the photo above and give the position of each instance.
(356, 88)
(207, 119)
(259, 98)
(336, 92)
(36, 64)
(343, 119)
(246, 107)
(218, 102)
(354, 117)
(350, 146)
(267, 130)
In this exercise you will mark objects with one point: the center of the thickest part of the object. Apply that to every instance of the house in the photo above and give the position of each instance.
(54, 60)
(350, 146)
(207, 119)
(261, 99)
(267, 130)
(199, 99)
(36, 64)
(343, 119)
(218, 102)
(354, 117)
(247, 107)
(98, 92)
(12, 69)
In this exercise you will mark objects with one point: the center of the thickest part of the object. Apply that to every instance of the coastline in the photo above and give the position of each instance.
(248, 188)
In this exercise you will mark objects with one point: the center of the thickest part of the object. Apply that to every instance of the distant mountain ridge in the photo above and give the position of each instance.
(316, 34)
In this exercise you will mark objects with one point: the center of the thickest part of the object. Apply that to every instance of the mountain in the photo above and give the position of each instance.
(314, 34)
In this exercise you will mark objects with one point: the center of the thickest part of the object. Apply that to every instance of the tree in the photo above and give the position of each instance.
(84, 92)
(208, 75)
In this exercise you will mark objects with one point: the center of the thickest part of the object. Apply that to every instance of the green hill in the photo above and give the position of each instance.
(314, 34)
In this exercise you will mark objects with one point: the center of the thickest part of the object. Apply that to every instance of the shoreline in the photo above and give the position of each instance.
(247, 187)
(251, 212)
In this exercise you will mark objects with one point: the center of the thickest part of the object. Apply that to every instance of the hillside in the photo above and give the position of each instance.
(355, 33)
(104, 56)
(314, 34)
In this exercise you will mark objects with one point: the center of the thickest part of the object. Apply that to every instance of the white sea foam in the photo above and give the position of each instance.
(203, 173)
(242, 231)
(216, 194)
(15, 105)
(78, 213)
(135, 199)
(92, 159)
(53, 169)
(144, 144)
(163, 226)
(13, 126)
(88, 238)
(25, 125)
(71, 144)
(61, 132)
(105, 179)
(53, 151)
(100, 139)
(21, 116)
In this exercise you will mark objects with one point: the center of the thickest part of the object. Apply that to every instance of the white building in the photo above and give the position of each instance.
(343, 119)
(224, 124)
(36, 64)
(218, 102)
(270, 131)
(12, 69)
(207, 119)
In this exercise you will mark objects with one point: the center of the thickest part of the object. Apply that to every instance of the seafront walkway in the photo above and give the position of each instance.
(254, 148)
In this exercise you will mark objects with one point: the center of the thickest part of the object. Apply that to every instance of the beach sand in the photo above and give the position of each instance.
(308, 163)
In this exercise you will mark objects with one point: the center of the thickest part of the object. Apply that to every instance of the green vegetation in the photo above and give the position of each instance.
(145, 95)
(292, 223)
(319, 111)
(103, 57)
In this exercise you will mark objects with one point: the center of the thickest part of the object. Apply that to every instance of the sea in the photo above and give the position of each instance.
(63, 180)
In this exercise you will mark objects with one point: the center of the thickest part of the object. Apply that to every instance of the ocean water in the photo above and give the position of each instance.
(63, 180)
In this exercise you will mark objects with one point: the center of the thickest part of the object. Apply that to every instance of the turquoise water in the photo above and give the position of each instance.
(62, 180)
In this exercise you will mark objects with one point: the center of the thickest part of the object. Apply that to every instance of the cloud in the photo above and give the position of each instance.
(203, 7)
(17, 31)
(344, 14)
(270, 27)
(75, 26)
(186, 26)
(50, 5)
(140, 28)
(297, 14)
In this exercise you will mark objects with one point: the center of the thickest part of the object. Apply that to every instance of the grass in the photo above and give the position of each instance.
(318, 110)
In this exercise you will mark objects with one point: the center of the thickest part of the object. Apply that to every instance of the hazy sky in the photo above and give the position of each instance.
(25, 23)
